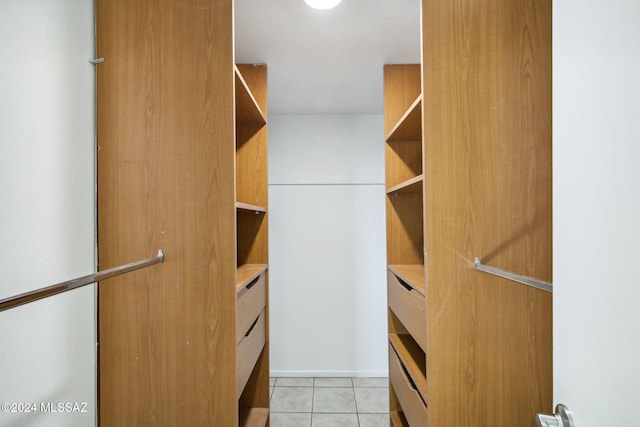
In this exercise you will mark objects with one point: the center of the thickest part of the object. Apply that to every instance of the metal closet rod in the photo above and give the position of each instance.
(525, 280)
(17, 300)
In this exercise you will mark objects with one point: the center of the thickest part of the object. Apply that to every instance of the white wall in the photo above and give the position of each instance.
(596, 169)
(327, 245)
(47, 209)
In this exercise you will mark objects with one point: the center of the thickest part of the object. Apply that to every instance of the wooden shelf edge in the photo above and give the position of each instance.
(254, 417)
(256, 114)
(250, 208)
(414, 112)
(412, 185)
(414, 359)
(398, 420)
(247, 272)
(412, 274)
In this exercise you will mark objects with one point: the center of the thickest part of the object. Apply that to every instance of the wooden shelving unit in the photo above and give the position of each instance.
(468, 174)
(183, 167)
(405, 244)
(252, 246)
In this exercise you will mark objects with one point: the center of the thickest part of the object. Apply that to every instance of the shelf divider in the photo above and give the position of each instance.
(247, 108)
(409, 127)
(250, 208)
(412, 185)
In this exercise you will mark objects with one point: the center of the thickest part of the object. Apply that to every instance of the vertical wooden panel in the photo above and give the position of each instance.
(166, 180)
(487, 131)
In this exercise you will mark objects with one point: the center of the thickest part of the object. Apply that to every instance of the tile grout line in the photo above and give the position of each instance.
(313, 398)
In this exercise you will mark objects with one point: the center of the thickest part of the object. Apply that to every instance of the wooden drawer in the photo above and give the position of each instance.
(252, 300)
(249, 351)
(409, 306)
(413, 407)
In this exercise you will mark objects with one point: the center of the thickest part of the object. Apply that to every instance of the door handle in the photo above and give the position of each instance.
(561, 418)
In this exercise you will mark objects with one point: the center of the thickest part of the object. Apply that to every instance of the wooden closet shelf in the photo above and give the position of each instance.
(413, 359)
(246, 207)
(409, 127)
(254, 417)
(413, 274)
(247, 272)
(247, 108)
(412, 185)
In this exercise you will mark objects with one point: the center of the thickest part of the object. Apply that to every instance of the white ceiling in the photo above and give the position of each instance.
(326, 62)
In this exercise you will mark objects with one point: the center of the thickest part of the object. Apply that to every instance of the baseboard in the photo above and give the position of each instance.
(330, 374)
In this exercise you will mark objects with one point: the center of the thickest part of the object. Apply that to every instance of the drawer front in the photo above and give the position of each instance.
(410, 307)
(413, 407)
(249, 351)
(252, 300)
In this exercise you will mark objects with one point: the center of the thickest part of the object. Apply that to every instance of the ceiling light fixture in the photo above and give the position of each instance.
(322, 4)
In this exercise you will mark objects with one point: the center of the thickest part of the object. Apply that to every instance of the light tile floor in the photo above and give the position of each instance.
(329, 402)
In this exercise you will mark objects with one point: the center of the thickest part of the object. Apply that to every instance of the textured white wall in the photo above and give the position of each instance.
(327, 245)
(47, 208)
(596, 116)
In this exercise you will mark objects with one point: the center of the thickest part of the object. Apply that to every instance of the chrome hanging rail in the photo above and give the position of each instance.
(525, 280)
(7, 303)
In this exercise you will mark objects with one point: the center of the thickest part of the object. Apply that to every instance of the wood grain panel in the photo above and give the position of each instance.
(409, 127)
(252, 233)
(409, 307)
(251, 153)
(401, 89)
(403, 161)
(408, 397)
(252, 244)
(166, 180)
(404, 229)
(487, 127)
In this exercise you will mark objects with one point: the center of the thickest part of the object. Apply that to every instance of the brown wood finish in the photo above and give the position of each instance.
(251, 172)
(413, 359)
(412, 185)
(408, 397)
(487, 131)
(252, 231)
(412, 274)
(251, 155)
(165, 180)
(249, 350)
(409, 307)
(397, 418)
(405, 229)
(403, 160)
(409, 127)
(250, 303)
(246, 273)
(254, 417)
(402, 87)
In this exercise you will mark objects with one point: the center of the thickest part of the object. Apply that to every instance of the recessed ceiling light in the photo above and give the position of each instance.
(322, 4)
